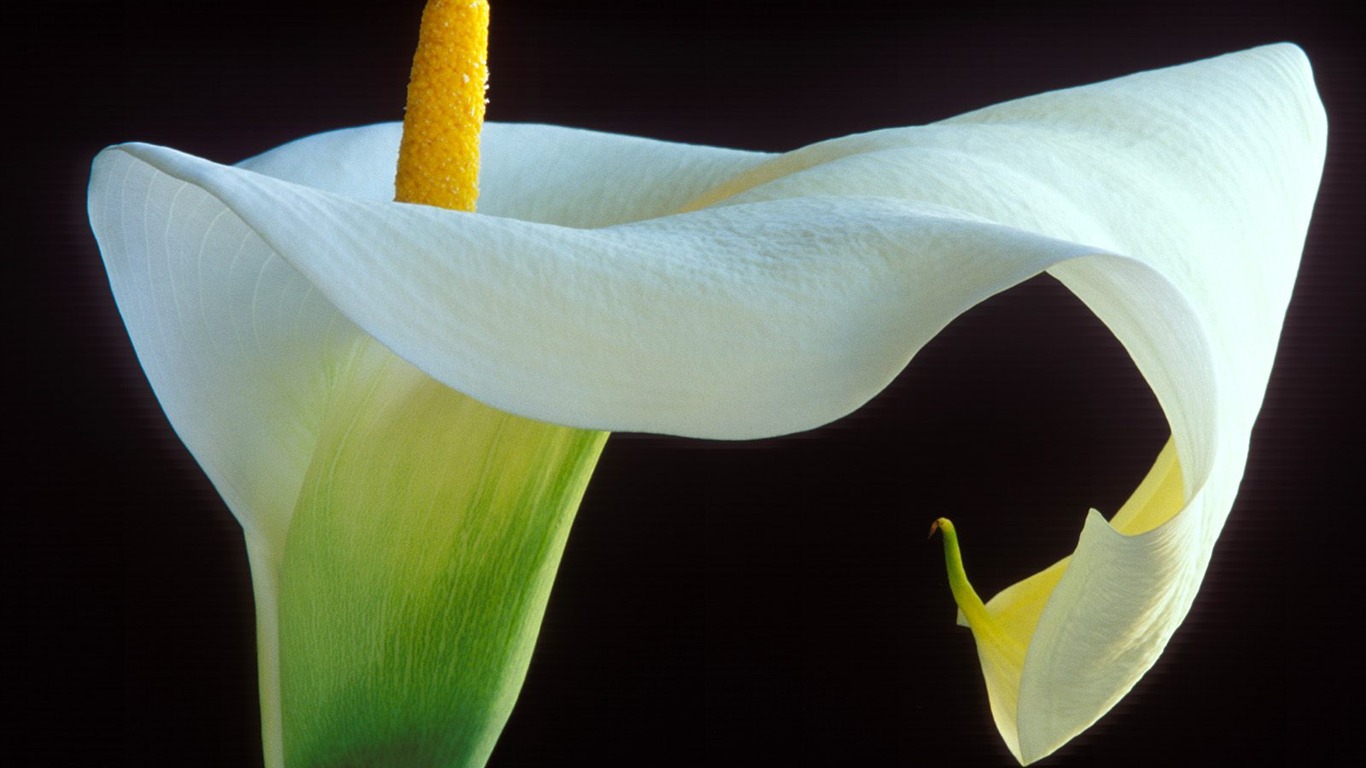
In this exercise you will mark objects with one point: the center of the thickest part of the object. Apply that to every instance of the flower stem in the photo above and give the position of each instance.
(963, 593)
(984, 626)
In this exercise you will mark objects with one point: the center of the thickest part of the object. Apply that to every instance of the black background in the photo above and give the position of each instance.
(719, 604)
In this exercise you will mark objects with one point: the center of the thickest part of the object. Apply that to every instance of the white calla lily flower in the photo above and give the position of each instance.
(618, 283)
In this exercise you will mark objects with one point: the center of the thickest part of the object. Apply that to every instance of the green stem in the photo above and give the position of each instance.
(963, 593)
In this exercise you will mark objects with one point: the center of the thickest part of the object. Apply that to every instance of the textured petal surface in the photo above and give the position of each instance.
(238, 348)
(735, 322)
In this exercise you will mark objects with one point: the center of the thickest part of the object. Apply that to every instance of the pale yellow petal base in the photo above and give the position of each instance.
(1005, 627)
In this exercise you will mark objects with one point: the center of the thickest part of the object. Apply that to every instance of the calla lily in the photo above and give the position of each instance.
(616, 283)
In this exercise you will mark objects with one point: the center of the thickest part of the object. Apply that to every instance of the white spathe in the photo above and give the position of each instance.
(625, 284)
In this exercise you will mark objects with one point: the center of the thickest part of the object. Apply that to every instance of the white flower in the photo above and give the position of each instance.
(624, 284)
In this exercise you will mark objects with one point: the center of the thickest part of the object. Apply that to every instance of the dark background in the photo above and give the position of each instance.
(770, 603)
